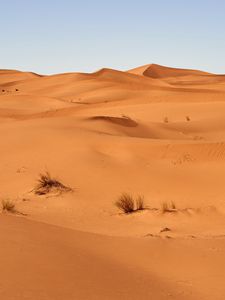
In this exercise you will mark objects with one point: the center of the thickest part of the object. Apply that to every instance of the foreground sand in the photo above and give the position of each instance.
(40, 261)
(154, 131)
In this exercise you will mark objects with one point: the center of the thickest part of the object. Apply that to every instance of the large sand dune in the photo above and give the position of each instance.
(153, 131)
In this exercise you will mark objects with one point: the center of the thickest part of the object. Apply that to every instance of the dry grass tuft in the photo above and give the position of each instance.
(127, 204)
(47, 184)
(173, 205)
(168, 207)
(140, 203)
(8, 206)
(164, 207)
(166, 120)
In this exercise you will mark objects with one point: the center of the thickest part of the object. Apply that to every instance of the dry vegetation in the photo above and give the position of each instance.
(127, 204)
(168, 207)
(140, 204)
(46, 184)
(166, 120)
(8, 206)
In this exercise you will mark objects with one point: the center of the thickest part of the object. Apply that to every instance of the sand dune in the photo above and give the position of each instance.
(157, 71)
(12, 77)
(179, 77)
(153, 131)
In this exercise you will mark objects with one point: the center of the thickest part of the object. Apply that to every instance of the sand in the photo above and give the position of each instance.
(153, 131)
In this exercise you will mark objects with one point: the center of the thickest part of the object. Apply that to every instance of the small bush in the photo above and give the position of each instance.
(8, 206)
(46, 184)
(127, 204)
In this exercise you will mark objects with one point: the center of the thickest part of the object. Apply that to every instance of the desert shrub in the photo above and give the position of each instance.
(166, 120)
(173, 205)
(164, 207)
(8, 206)
(46, 184)
(140, 203)
(168, 207)
(127, 204)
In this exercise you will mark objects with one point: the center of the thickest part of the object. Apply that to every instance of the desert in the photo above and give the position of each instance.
(75, 148)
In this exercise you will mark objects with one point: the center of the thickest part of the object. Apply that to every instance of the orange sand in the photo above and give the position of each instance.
(154, 131)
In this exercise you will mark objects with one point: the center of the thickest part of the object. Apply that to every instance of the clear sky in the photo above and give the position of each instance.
(53, 36)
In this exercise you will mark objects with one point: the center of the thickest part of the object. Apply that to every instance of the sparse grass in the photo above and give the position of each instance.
(140, 203)
(188, 118)
(8, 206)
(168, 207)
(46, 184)
(173, 205)
(166, 120)
(164, 207)
(127, 204)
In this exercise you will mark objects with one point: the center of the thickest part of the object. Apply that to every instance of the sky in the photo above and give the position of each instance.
(55, 36)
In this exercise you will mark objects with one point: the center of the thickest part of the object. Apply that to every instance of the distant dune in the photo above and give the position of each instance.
(177, 76)
(154, 132)
(157, 71)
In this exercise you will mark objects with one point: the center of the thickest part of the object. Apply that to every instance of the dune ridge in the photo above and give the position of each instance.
(157, 71)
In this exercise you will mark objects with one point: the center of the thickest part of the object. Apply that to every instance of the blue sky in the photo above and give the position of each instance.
(53, 36)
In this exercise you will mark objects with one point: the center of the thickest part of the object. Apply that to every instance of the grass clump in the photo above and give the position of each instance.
(140, 203)
(8, 206)
(127, 204)
(46, 184)
(168, 207)
(166, 120)
(173, 205)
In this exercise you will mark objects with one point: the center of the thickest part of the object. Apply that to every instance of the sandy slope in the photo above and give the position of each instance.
(155, 131)
(39, 261)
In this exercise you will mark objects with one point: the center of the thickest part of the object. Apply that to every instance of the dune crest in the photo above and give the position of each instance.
(157, 71)
(124, 121)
